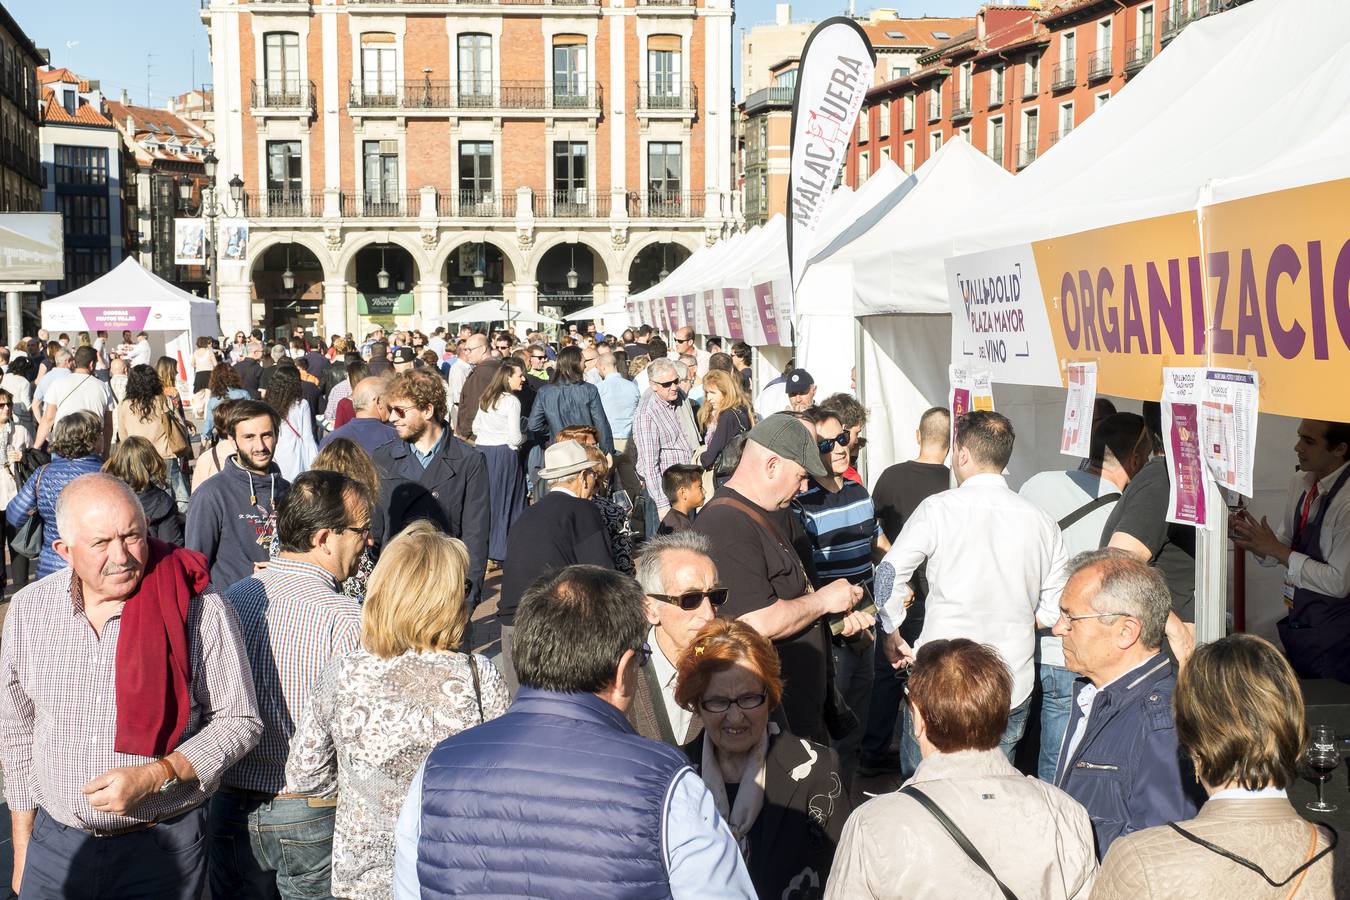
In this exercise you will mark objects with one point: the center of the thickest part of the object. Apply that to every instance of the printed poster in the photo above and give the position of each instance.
(1076, 436)
(709, 305)
(189, 242)
(687, 302)
(766, 311)
(234, 241)
(1181, 400)
(1228, 417)
(972, 388)
(731, 305)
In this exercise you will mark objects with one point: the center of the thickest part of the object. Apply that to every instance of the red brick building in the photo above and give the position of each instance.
(1018, 82)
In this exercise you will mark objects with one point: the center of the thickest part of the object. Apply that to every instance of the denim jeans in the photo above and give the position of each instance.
(909, 745)
(264, 850)
(853, 679)
(1056, 700)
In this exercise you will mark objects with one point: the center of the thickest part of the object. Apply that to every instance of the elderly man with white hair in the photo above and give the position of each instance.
(126, 694)
(660, 434)
(370, 426)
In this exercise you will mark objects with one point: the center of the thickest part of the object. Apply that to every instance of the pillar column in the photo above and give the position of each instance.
(430, 297)
(235, 308)
(335, 306)
(525, 300)
(618, 296)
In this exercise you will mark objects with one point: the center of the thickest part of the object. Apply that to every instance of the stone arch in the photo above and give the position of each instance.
(603, 253)
(502, 241)
(311, 242)
(693, 242)
(409, 242)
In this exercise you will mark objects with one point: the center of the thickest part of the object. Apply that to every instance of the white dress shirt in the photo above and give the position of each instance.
(677, 715)
(500, 425)
(996, 566)
(1333, 576)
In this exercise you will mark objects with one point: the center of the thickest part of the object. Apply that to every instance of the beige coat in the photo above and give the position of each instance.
(130, 423)
(1035, 837)
(1159, 863)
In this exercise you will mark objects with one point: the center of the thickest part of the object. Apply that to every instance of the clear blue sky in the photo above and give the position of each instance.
(113, 41)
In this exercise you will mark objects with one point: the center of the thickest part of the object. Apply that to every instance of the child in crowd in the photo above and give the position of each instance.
(683, 487)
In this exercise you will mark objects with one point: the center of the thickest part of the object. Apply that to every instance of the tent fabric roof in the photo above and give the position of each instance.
(128, 283)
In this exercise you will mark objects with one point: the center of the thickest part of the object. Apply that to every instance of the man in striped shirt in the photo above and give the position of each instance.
(268, 841)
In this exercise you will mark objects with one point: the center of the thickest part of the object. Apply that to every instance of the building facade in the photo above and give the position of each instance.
(81, 153)
(20, 157)
(1017, 82)
(158, 150)
(401, 157)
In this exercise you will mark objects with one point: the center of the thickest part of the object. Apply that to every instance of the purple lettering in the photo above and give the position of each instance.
(1283, 261)
(1249, 309)
(1198, 335)
(1164, 305)
(1340, 292)
(1134, 318)
(1317, 295)
(1221, 339)
(1107, 313)
(1068, 303)
(1088, 300)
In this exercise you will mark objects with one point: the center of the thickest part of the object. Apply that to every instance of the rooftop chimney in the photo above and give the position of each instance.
(126, 98)
(782, 13)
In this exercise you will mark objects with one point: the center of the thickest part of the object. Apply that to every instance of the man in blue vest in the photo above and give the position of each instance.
(1313, 544)
(560, 797)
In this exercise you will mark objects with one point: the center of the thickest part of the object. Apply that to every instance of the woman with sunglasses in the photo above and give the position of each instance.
(782, 796)
(14, 439)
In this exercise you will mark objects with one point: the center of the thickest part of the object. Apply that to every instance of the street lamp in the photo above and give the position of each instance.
(185, 190)
(572, 271)
(288, 277)
(382, 276)
(212, 210)
(479, 276)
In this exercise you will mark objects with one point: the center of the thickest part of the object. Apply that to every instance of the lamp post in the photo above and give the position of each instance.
(212, 210)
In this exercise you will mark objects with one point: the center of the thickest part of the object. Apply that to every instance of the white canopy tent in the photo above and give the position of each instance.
(493, 310)
(1201, 123)
(131, 298)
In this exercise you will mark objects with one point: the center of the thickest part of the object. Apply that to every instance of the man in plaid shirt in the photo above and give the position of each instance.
(659, 435)
(92, 807)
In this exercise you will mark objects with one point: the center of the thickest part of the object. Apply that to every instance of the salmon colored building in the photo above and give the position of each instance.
(403, 157)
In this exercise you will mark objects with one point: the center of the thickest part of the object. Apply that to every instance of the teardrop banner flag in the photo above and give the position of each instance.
(833, 77)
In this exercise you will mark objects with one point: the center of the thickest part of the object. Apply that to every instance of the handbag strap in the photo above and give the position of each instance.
(477, 688)
(756, 515)
(1312, 849)
(37, 491)
(1302, 870)
(957, 835)
(1087, 509)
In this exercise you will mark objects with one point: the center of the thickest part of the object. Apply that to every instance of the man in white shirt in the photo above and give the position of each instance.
(140, 352)
(81, 391)
(64, 363)
(680, 581)
(1313, 544)
(996, 566)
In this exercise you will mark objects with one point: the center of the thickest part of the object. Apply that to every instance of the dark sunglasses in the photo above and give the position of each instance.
(363, 530)
(722, 704)
(665, 384)
(5, 405)
(644, 655)
(400, 411)
(827, 445)
(692, 600)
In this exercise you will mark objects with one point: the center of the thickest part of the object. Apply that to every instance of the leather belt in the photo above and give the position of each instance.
(265, 797)
(119, 832)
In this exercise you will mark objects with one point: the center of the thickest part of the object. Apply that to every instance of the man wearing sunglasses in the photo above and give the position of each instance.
(680, 581)
(660, 435)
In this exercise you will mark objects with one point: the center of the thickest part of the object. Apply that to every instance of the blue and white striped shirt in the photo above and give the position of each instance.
(842, 525)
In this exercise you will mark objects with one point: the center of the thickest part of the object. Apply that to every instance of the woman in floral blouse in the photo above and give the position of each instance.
(380, 709)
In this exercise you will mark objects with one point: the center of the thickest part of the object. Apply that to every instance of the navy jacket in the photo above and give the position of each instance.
(559, 797)
(1128, 770)
(559, 405)
(457, 480)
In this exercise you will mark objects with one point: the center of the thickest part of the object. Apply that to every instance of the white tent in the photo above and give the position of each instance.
(130, 298)
(1200, 124)
(493, 310)
(956, 178)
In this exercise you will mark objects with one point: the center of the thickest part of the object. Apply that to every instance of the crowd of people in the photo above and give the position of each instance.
(245, 659)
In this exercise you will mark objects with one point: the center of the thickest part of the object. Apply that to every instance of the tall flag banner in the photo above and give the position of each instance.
(832, 79)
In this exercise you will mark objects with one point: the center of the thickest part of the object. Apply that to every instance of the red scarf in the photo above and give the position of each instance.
(152, 677)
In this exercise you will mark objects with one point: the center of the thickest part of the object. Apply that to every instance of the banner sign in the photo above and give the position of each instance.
(384, 304)
(189, 242)
(1257, 284)
(115, 318)
(1181, 435)
(688, 318)
(233, 241)
(833, 76)
(731, 307)
(32, 247)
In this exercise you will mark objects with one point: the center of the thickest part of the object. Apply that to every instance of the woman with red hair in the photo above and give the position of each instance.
(782, 795)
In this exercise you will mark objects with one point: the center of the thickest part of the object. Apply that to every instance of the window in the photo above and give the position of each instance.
(1104, 36)
(786, 79)
(475, 70)
(1068, 42)
(663, 72)
(964, 132)
(284, 181)
(475, 177)
(884, 120)
(935, 102)
(1031, 76)
(84, 264)
(965, 75)
(886, 154)
(934, 143)
(864, 168)
(864, 125)
(569, 71)
(380, 160)
(664, 178)
(1065, 119)
(69, 101)
(83, 215)
(1031, 133)
(570, 196)
(379, 70)
(996, 85)
(1100, 99)
(81, 165)
(281, 68)
(909, 112)
(996, 140)
(1146, 26)
(908, 158)
(898, 71)
(763, 192)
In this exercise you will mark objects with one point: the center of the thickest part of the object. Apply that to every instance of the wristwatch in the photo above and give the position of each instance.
(171, 777)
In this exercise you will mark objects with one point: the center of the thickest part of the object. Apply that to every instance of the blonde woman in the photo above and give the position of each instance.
(725, 415)
(380, 709)
(350, 458)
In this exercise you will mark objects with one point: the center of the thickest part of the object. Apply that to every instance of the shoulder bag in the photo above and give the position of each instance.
(477, 688)
(27, 540)
(1086, 510)
(176, 434)
(957, 835)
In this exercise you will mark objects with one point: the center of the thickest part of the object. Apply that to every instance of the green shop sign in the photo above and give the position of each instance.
(384, 304)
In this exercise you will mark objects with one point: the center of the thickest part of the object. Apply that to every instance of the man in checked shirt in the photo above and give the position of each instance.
(125, 693)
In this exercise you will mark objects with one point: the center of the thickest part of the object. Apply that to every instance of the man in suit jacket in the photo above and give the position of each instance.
(563, 529)
(676, 572)
(428, 455)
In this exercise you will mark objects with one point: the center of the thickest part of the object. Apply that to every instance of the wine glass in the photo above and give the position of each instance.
(1321, 760)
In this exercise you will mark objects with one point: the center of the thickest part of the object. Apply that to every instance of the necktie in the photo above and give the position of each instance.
(1308, 499)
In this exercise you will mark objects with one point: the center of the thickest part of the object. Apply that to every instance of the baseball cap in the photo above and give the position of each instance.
(405, 355)
(787, 436)
(799, 382)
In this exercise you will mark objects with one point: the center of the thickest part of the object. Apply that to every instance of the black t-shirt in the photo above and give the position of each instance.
(902, 487)
(758, 570)
(1142, 514)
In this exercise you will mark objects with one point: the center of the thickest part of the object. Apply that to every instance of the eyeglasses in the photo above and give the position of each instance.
(665, 384)
(5, 405)
(644, 655)
(722, 704)
(363, 530)
(692, 600)
(1072, 619)
(400, 411)
(827, 445)
(538, 356)
(680, 340)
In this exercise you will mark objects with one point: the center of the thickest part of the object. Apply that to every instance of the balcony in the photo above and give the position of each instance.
(961, 109)
(578, 203)
(280, 203)
(765, 98)
(665, 2)
(444, 96)
(1183, 12)
(1138, 53)
(1099, 65)
(281, 97)
(996, 154)
(474, 204)
(381, 206)
(1065, 75)
(996, 98)
(434, 6)
(667, 98)
(666, 205)
(1055, 137)
(1026, 154)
